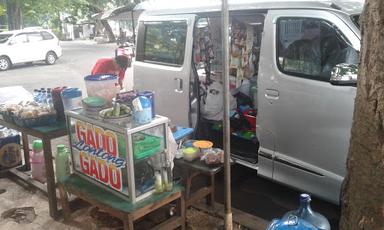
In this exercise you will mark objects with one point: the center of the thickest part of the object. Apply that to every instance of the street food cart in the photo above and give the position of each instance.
(124, 158)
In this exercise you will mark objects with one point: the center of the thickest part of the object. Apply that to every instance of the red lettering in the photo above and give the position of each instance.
(99, 136)
(111, 144)
(115, 177)
(84, 163)
(90, 137)
(93, 172)
(103, 171)
(80, 131)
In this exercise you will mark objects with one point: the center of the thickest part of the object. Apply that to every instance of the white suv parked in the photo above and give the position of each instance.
(28, 45)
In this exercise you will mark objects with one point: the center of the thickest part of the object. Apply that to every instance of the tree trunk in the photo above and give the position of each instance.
(14, 14)
(108, 30)
(363, 192)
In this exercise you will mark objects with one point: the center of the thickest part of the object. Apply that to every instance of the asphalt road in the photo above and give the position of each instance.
(250, 193)
(76, 62)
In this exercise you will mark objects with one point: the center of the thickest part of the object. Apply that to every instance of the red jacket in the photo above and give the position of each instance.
(107, 66)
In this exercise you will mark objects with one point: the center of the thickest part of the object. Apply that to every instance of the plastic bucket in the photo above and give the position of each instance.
(71, 98)
(102, 85)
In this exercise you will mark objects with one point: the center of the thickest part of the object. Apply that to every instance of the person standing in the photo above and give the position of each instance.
(116, 66)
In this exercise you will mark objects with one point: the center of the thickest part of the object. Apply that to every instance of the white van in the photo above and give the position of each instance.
(281, 57)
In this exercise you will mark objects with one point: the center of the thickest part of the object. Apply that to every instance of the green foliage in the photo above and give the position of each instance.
(47, 12)
(2, 10)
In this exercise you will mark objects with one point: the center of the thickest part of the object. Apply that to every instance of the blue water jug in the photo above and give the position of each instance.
(304, 217)
(290, 222)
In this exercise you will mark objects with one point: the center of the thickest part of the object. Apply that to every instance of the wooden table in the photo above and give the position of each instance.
(46, 134)
(194, 169)
(120, 208)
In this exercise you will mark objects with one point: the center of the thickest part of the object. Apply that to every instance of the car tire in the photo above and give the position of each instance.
(50, 58)
(5, 63)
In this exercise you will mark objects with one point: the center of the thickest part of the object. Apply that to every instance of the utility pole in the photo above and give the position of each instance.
(226, 123)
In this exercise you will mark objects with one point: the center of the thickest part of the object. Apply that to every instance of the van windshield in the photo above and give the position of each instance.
(4, 37)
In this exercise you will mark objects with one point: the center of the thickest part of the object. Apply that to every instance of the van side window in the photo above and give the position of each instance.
(310, 48)
(164, 42)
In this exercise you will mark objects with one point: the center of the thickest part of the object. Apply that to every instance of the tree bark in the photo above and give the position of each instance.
(363, 191)
(108, 30)
(14, 14)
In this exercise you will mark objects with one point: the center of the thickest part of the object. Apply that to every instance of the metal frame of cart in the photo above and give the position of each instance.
(126, 129)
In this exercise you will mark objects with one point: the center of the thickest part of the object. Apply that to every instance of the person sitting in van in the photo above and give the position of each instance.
(116, 66)
(303, 55)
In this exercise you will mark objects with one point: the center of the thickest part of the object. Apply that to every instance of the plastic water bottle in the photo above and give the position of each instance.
(62, 163)
(305, 212)
(43, 97)
(48, 99)
(37, 162)
(36, 93)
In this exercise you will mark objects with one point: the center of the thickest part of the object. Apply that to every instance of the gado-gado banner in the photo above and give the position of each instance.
(99, 154)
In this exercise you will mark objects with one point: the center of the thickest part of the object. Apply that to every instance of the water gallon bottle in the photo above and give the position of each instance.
(62, 163)
(37, 162)
(71, 98)
(306, 213)
(290, 222)
(142, 110)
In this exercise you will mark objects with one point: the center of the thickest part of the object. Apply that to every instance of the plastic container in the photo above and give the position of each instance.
(203, 146)
(102, 85)
(250, 116)
(305, 212)
(151, 96)
(62, 163)
(71, 98)
(190, 153)
(142, 110)
(37, 162)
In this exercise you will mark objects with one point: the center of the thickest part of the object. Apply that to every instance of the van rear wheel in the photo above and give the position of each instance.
(5, 63)
(50, 58)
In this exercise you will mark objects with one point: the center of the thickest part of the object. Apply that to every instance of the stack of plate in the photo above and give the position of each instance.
(93, 105)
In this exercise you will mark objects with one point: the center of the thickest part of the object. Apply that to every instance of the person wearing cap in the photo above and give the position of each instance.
(116, 66)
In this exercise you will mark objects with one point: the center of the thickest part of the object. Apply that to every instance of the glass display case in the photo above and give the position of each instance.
(124, 158)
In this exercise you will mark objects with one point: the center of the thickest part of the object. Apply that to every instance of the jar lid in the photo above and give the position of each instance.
(37, 145)
(71, 93)
(203, 144)
(94, 101)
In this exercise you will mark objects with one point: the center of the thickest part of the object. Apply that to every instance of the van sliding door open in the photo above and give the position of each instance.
(163, 63)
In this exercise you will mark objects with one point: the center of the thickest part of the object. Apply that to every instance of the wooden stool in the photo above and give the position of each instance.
(120, 208)
(194, 169)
